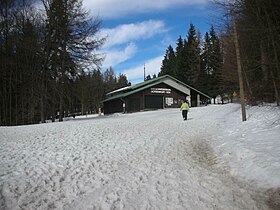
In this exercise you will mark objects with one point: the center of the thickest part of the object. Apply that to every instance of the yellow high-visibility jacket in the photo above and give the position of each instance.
(185, 106)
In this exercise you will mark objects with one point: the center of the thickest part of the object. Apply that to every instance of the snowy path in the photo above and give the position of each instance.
(149, 160)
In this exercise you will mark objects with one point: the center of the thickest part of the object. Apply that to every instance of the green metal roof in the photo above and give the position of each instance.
(147, 84)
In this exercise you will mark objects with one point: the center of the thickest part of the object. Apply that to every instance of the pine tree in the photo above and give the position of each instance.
(97, 90)
(180, 59)
(192, 57)
(42, 57)
(110, 80)
(168, 64)
(148, 77)
(70, 41)
(215, 64)
(229, 75)
(122, 81)
(205, 70)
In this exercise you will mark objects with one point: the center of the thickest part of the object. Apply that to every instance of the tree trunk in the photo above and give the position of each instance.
(42, 108)
(275, 88)
(271, 35)
(241, 86)
(276, 93)
(264, 61)
(61, 111)
(252, 99)
(10, 99)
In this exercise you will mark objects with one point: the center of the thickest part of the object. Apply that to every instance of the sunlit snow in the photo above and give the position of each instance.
(145, 160)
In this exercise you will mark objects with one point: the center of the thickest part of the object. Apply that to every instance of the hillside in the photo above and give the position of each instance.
(146, 160)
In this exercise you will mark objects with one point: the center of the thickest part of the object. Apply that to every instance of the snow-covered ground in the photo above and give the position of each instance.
(146, 160)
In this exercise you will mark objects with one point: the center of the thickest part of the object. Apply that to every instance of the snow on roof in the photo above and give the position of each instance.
(119, 90)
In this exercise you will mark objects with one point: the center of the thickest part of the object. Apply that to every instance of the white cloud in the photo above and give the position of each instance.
(137, 74)
(120, 8)
(114, 57)
(131, 32)
(119, 36)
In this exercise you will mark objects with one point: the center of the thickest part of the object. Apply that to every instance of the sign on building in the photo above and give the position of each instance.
(161, 90)
(169, 101)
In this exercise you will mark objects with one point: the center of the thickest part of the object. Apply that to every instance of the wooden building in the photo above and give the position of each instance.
(158, 93)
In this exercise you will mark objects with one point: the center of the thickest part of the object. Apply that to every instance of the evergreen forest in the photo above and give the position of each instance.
(50, 65)
(209, 63)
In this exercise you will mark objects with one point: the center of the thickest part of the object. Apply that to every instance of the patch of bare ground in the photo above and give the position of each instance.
(273, 200)
(2, 200)
(205, 158)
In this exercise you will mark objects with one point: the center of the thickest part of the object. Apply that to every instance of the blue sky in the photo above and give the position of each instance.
(139, 31)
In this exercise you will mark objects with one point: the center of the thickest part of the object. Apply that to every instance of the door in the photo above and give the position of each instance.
(153, 102)
(133, 105)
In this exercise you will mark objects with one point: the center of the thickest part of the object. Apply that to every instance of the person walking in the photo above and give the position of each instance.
(185, 108)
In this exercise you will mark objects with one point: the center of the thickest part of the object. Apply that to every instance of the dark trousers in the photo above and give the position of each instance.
(185, 114)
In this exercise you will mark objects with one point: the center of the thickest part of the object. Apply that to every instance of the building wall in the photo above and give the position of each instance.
(198, 99)
(177, 85)
(133, 103)
(172, 98)
(113, 106)
(163, 93)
